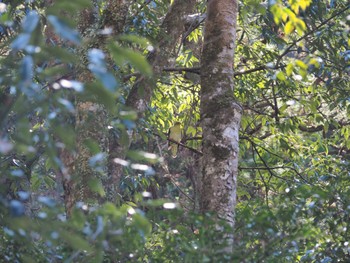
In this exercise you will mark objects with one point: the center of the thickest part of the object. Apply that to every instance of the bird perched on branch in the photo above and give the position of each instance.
(174, 134)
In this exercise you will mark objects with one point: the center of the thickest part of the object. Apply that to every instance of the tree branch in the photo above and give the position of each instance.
(321, 127)
(286, 51)
(195, 70)
(181, 144)
(185, 146)
(260, 68)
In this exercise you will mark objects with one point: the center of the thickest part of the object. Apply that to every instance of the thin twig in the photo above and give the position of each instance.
(260, 68)
(196, 70)
(185, 146)
(262, 177)
(179, 143)
(178, 188)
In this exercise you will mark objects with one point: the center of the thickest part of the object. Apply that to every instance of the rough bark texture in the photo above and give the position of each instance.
(91, 127)
(67, 156)
(220, 113)
(114, 17)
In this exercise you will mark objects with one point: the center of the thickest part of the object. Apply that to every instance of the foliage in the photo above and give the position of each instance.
(292, 78)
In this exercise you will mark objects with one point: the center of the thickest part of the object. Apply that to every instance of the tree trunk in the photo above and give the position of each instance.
(140, 94)
(170, 31)
(220, 114)
(91, 118)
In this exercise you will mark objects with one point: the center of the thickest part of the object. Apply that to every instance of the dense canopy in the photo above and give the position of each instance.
(260, 171)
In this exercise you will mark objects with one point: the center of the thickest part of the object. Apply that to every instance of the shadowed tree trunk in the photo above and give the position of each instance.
(220, 113)
(173, 26)
(91, 118)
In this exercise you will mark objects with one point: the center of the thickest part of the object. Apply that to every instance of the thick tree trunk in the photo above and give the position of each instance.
(115, 17)
(220, 113)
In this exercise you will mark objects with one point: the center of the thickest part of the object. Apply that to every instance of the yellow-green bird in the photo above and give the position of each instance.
(175, 135)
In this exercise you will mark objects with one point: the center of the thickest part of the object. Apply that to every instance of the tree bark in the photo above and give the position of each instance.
(220, 114)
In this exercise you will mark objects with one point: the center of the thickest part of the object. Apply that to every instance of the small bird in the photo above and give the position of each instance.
(175, 135)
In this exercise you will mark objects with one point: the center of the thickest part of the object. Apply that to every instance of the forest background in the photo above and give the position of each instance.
(89, 90)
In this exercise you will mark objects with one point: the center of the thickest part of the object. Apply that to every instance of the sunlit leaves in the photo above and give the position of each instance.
(187, 59)
(280, 76)
(297, 5)
(289, 16)
(297, 125)
(293, 185)
(289, 27)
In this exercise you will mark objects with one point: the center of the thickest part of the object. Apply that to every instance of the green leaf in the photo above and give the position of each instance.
(283, 108)
(289, 69)
(135, 39)
(95, 92)
(280, 76)
(78, 218)
(128, 115)
(122, 55)
(143, 156)
(289, 27)
(75, 241)
(300, 64)
(142, 224)
(300, 26)
(96, 186)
